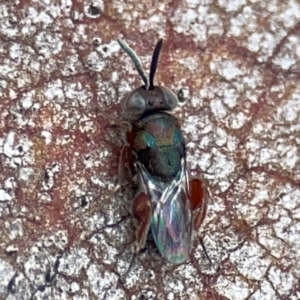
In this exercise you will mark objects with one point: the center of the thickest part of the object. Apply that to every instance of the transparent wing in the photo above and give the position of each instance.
(171, 222)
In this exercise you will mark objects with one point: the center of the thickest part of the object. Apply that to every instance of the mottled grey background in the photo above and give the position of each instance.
(63, 233)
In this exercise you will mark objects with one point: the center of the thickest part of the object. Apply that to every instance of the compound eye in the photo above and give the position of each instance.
(170, 98)
(134, 103)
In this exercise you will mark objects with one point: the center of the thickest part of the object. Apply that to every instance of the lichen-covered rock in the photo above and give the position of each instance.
(65, 233)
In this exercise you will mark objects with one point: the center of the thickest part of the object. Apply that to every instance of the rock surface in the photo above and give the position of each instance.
(64, 234)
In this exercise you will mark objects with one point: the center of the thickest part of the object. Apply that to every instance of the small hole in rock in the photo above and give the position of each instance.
(84, 202)
(42, 288)
(94, 10)
(96, 42)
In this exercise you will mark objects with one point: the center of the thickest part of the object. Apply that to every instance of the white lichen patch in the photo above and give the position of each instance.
(19, 285)
(74, 262)
(59, 239)
(6, 273)
(14, 228)
(282, 281)
(94, 222)
(26, 174)
(95, 62)
(234, 288)
(245, 20)
(231, 5)
(37, 264)
(44, 198)
(48, 44)
(174, 286)
(148, 293)
(47, 135)
(106, 50)
(192, 63)
(106, 252)
(8, 22)
(195, 126)
(200, 21)
(17, 152)
(8, 144)
(289, 13)
(263, 43)
(273, 244)
(281, 150)
(289, 197)
(102, 281)
(288, 230)
(72, 65)
(5, 196)
(7, 191)
(221, 165)
(155, 22)
(290, 110)
(229, 70)
(289, 54)
(220, 136)
(82, 94)
(250, 213)
(251, 261)
(237, 121)
(137, 277)
(218, 108)
(54, 92)
(265, 291)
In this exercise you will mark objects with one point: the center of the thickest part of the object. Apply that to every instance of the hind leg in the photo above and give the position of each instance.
(199, 203)
(125, 159)
(142, 213)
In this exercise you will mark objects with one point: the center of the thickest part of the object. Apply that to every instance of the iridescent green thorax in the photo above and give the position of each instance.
(159, 144)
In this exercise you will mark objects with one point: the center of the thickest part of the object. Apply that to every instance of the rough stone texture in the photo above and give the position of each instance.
(64, 234)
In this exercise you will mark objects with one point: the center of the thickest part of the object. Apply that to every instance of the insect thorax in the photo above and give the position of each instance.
(159, 144)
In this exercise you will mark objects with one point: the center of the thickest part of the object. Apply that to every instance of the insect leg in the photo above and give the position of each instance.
(142, 213)
(125, 159)
(199, 203)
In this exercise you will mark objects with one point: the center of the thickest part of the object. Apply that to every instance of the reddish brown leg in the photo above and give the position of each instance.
(142, 213)
(125, 159)
(198, 202)
(130, 135)
(121, 168)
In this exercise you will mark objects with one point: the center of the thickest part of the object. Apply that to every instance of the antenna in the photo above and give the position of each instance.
(135, 60)
(154, 62)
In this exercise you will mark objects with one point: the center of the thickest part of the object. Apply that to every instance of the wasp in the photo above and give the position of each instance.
(167, 202)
